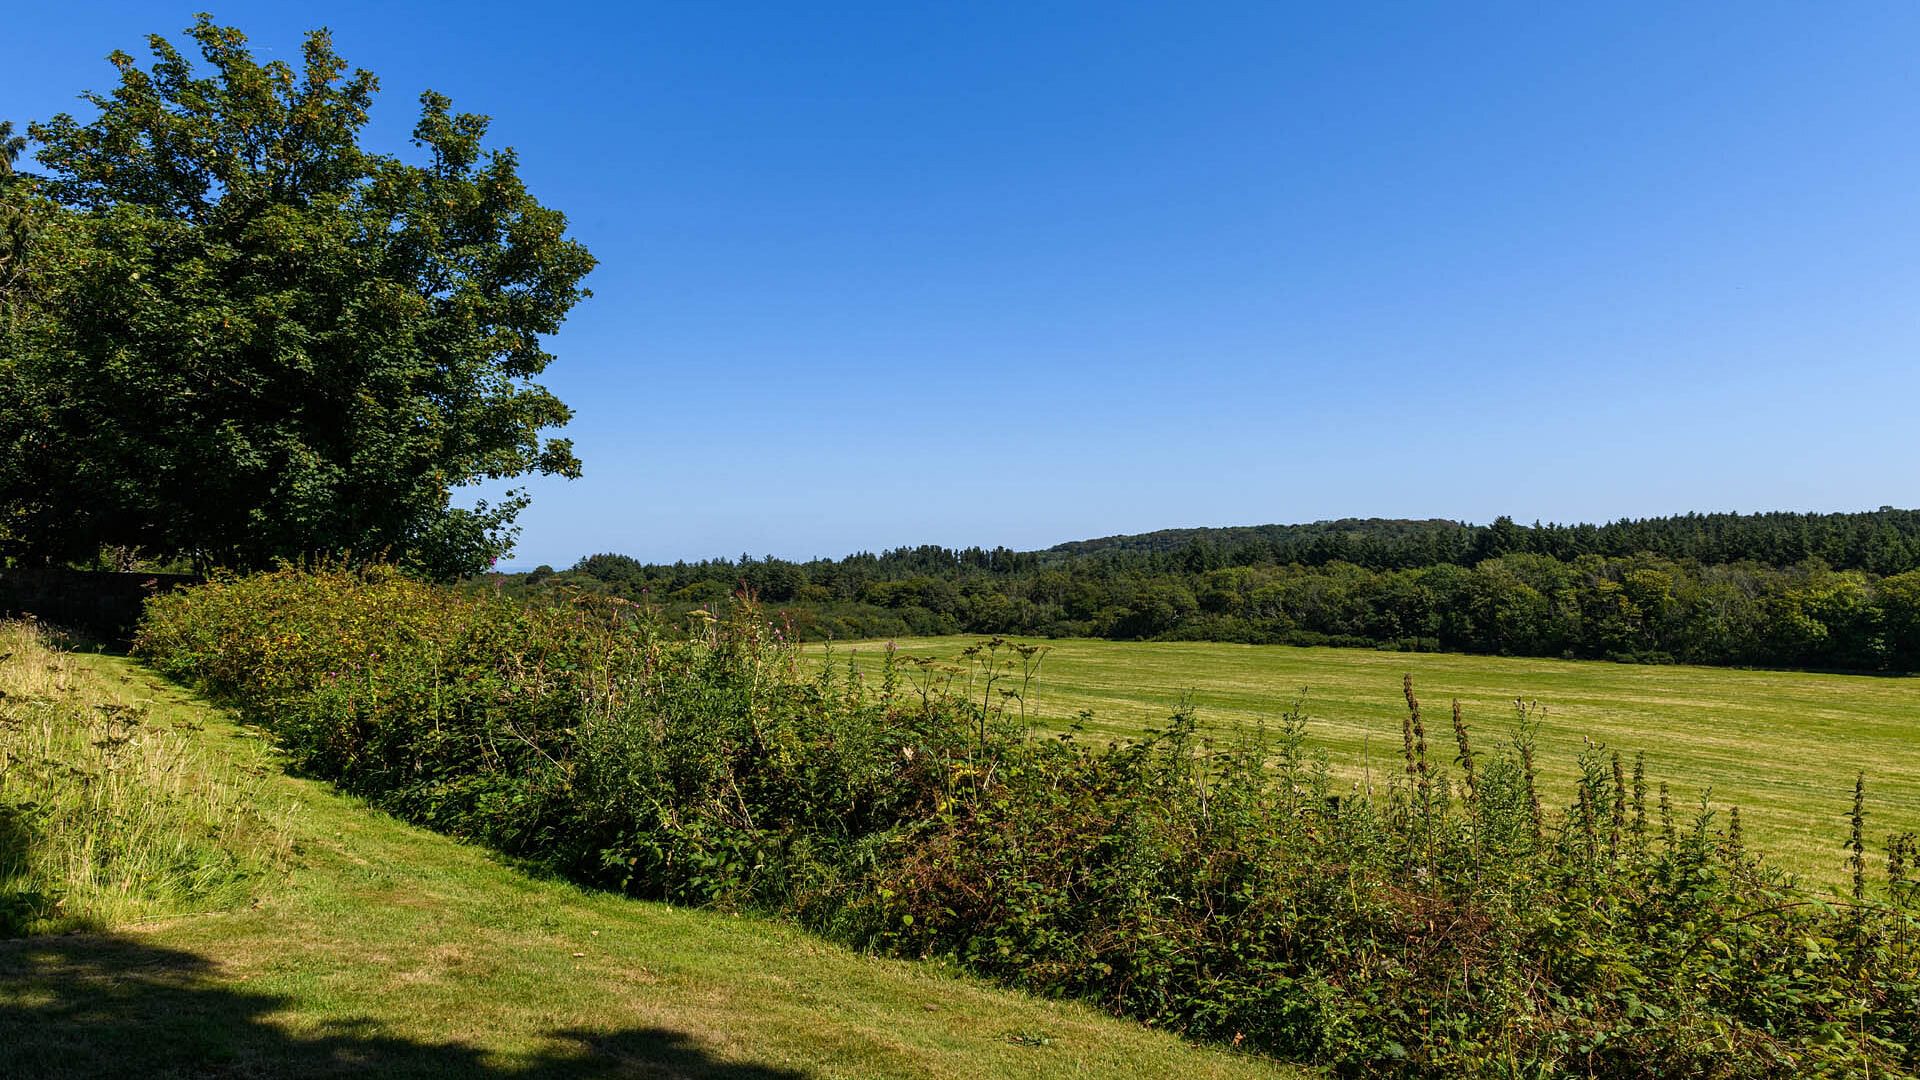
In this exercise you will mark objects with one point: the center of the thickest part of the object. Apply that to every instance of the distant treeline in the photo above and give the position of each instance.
(1795, 590)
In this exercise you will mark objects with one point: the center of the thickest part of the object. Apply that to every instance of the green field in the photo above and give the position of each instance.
(1782, 746)
(387, 950)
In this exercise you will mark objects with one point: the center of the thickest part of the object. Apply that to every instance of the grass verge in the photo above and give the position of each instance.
(111, 813)
(393, 951)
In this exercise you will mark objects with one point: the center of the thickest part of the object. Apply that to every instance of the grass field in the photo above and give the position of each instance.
(1782, 746)
(385, 950)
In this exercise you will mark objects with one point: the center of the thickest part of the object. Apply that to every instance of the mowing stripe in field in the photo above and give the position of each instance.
(1782, 746)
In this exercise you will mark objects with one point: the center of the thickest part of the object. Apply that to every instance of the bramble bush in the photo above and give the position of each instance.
(1454, 920)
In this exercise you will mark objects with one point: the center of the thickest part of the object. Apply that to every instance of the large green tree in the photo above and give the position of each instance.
(19, 434)
(251, 338)
(13, 220)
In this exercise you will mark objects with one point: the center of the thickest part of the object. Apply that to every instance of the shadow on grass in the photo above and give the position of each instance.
(108, 1006)
(20, 908)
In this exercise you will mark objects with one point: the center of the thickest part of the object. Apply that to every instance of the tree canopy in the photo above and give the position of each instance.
(1836, 591)
(230, 333)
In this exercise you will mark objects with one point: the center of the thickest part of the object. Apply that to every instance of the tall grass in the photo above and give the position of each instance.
(1459, 919)
(109, 813)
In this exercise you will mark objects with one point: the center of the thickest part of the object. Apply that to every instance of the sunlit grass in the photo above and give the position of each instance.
(1782, 746)
(110, 811)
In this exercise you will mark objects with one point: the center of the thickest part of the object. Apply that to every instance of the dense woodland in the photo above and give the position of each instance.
(1839, 591)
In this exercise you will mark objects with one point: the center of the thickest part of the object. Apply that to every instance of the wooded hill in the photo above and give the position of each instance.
(1781, 589)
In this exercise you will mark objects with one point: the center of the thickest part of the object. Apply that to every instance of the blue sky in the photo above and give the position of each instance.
(1015, 274)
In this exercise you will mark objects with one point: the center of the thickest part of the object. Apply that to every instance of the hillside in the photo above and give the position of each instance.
(388, 950)
(1819, 591)
(1885, 541)
(1350, 530)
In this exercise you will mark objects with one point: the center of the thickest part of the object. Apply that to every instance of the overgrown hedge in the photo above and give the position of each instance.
(1459, 922)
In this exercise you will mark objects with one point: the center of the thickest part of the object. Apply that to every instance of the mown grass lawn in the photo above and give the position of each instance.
(1782, 746)
(385, 950)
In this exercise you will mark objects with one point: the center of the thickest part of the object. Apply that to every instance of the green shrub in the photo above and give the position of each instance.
(1452, 921)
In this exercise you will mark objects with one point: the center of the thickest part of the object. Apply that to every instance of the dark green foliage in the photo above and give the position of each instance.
(1580, 591)
(14, 221)
(1444, 924)
(242, 337)
(1883, 541)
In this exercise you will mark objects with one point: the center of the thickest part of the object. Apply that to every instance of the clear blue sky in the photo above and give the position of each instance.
(901, 273)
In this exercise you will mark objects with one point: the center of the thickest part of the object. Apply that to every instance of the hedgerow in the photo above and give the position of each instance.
(1453, 920)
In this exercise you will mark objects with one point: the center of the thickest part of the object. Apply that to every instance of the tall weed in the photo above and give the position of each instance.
(1456, 921)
